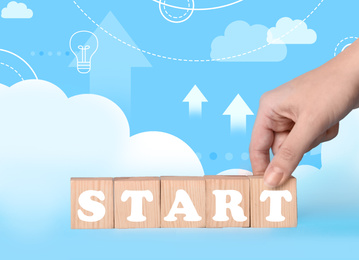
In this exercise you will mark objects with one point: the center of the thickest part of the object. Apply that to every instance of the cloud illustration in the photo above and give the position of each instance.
(46, 138)
(288, 31)
(339, 171)
(16, 10)
(235, 172)
(241, 38)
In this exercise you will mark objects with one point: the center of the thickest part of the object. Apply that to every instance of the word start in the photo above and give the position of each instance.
(181, 202)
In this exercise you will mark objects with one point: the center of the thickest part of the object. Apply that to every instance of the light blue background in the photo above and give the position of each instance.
(323, 232)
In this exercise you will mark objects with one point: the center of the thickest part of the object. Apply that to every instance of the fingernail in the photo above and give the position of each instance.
(273, 178)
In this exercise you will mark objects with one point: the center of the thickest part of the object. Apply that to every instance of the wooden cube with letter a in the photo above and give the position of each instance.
(137, 202)
(92, 203)
(273, 207)
(227, 201)
(183, 202)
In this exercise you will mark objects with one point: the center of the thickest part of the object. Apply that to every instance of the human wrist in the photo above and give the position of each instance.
(346, 66)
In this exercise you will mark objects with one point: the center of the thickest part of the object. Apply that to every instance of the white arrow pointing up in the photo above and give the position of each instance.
(195, 98)
(238, 110)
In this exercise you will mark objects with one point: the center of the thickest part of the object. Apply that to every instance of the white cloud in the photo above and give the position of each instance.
(159, 154)
(235, 172)
(288, 31)
(336, 184)
(46, 138)
(242, 38)
(16, 10)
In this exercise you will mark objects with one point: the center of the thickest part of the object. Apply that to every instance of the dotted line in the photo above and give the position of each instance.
(50, 53)
(197, 60)
(347, 38)
(6, 65)
(228, 156)
(177, 17)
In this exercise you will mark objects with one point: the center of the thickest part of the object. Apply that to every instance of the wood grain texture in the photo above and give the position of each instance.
(195, 188)
(151, 210)
(260, 210)
(78, 186)
(237, 183)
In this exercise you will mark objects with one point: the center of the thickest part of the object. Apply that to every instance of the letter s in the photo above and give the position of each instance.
(88, 204)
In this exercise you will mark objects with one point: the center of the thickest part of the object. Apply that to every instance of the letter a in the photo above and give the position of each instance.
(188, 208)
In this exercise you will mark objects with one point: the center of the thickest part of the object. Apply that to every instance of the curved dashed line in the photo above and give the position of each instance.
(347, 38)
(168, 16)
(176, 17)
(197, 60)
(198, 9)
(7, 65)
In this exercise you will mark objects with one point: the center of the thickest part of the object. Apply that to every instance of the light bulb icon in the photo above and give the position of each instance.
(83, 45)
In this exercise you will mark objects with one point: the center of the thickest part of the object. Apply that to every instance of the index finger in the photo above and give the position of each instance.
(261, 142)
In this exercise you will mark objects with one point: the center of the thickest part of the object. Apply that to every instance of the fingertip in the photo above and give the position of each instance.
(273, 177)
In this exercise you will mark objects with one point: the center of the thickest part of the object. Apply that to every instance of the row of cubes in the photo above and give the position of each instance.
(181, 202)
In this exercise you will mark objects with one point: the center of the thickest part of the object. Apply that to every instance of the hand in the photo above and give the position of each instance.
(299, 115)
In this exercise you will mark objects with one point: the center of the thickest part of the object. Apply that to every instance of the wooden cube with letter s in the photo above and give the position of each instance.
(92, 203)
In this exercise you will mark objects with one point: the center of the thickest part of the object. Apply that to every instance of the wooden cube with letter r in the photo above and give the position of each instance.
(227, 201)
(273, 207)
(92, 203)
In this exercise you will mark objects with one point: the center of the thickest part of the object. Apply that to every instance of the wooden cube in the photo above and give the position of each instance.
(273, 208)
(92, 203)
(137, 202)
(227, 201)
(183, 202)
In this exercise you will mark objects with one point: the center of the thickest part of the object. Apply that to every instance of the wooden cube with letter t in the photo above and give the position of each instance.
(137, 202)
(273, 208)
(227, 201)
(92, 203)
(183, 202)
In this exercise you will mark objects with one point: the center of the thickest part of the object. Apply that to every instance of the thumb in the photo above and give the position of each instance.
(290, 153)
